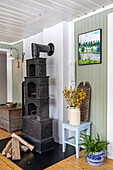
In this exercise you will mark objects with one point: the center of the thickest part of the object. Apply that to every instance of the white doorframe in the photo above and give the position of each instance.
(110, 86)
(9, 76)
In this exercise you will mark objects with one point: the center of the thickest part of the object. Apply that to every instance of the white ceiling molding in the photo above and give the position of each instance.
(1, 42)
(20, 19)
(93, 13)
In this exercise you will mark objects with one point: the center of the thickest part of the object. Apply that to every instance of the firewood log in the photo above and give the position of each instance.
(9, 153)
(31, 147)
(15, 149)
(8, 146)
(24, 148)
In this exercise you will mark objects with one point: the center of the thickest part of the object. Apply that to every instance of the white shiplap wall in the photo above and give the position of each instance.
(110, 86)
(57, 69)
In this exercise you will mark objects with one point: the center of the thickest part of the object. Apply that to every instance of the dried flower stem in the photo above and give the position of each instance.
(74, 98)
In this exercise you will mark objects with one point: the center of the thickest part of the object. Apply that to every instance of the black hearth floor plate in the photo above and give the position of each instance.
(36, 161)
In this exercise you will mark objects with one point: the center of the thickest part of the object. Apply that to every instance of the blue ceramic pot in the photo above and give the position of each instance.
(97, 158)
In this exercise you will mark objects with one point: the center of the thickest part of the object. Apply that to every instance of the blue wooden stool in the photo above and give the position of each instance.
(77, 129)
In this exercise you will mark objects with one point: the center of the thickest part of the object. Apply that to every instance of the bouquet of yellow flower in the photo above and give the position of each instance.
(74, 98)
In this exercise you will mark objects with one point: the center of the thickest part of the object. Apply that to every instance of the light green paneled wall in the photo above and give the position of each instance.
(5, 46)
(17, 73)
(95, 74)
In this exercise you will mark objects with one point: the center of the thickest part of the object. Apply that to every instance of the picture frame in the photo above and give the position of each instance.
(90, 47)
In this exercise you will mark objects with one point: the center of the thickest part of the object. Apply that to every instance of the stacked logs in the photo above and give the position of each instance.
(12, 149)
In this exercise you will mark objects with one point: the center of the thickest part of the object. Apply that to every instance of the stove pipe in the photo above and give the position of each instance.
(37, 48)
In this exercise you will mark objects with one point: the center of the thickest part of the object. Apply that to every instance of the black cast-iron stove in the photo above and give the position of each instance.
(37, 126)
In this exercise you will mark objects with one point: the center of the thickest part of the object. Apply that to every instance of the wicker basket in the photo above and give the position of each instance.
(85, 106)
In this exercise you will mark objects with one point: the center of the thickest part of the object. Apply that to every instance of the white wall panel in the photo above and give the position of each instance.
(57, 69)
(110, 87)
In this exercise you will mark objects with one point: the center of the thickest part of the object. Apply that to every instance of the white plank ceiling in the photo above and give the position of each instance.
(22, 18)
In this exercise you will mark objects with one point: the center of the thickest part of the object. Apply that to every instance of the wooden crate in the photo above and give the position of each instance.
(10, 118)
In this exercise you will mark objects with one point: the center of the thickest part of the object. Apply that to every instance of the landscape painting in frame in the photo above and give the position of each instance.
(90, 47)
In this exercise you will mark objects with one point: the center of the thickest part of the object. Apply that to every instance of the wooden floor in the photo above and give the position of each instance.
(5, 134)
(72, 163)
(6, 164)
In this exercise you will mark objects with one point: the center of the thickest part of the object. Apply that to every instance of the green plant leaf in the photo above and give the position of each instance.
(93, 145)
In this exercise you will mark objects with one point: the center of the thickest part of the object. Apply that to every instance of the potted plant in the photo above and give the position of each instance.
(95, 149)
(74, 99)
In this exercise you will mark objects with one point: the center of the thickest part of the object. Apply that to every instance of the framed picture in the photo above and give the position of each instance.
(90, 48)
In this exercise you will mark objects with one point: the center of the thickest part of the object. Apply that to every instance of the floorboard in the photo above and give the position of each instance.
(51, 160)
(6, 164)
(71, 163)
(35, 161)
(5, 134)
